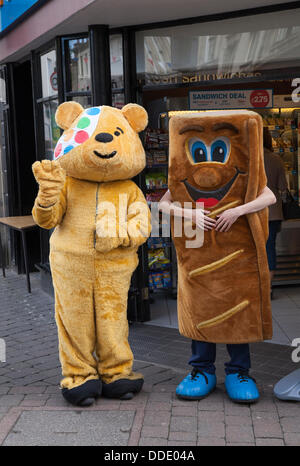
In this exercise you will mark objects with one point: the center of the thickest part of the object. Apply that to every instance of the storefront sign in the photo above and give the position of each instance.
(192, 78)
(53, 81)
(231, 99)
(206, 77)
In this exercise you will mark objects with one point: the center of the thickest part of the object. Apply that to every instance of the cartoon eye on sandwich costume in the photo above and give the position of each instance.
(100, 218)
(216, 158)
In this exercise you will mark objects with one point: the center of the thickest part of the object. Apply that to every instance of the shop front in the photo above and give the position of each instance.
(240, 63)
(247, 61)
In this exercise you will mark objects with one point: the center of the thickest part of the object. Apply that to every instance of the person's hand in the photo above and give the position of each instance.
(202, 221)
(51, 178)
(226, 219)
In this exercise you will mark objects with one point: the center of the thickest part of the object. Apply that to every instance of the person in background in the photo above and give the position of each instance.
(276, 181)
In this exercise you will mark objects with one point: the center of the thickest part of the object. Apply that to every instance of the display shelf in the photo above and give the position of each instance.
(157, 160)
(274, 127)
(160, 247)
(160, 269)
(162, 165)
(158, 147)
(287, 150)
(165, 289)
(288, 270)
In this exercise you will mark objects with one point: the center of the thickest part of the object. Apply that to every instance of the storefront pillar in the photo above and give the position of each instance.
(140, 278)
(129, 57)
(100, 65)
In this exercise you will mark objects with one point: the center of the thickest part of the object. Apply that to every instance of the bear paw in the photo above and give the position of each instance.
(124, 389)
(107, 244)
(85, 394)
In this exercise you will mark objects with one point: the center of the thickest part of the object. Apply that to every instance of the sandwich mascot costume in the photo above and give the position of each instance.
(216, 158)
(100, 218)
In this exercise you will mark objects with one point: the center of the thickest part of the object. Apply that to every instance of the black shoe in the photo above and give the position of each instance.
(87, 402)
(85, 394)
(124, 389)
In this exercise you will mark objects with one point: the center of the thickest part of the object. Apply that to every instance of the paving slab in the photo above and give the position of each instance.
(80, 428)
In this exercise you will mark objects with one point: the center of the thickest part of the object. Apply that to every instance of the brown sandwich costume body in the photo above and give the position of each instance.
(223, 287)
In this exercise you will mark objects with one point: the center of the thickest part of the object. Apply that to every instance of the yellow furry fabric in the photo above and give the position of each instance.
(223, 286)
(51, 178)
(91, 263)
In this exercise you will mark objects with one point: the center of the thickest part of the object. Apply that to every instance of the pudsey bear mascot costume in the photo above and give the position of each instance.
(100, 218)
(216, 158)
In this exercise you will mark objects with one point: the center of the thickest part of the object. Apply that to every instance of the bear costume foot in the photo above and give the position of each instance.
(124, 389)
(85, 394)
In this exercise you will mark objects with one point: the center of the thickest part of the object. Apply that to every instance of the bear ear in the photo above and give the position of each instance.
(136, 116)
(66, 113)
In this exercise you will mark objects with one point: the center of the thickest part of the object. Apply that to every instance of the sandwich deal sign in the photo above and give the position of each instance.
(231, 99)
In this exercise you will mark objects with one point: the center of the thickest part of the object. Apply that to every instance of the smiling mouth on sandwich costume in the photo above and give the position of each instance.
(210, 198)
(73, 137)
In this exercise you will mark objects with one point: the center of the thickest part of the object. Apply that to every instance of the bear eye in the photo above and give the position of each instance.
(220, 150)
(198, 150)
(117, 133)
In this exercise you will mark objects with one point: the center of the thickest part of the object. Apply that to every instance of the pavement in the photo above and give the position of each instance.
(33, 412)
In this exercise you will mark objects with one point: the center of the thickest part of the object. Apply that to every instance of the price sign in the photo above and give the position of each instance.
(260, 98)
(231, 99)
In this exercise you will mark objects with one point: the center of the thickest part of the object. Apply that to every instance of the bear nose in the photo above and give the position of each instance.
(104, 137)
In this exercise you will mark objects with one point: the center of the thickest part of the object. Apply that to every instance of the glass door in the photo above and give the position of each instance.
(47, 132)
(4, 154)
(77, 70)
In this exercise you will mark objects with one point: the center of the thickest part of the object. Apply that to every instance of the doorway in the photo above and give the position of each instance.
(22, 186)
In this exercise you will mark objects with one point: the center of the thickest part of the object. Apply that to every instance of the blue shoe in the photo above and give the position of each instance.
(241, 388)
(196, 385)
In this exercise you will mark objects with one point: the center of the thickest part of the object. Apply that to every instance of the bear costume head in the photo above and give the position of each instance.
(100, 143)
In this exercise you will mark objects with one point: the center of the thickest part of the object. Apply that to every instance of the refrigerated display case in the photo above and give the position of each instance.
(284, 126)
(160, 249)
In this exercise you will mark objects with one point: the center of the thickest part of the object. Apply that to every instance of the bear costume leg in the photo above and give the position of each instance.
(74, 314)
(112, 283)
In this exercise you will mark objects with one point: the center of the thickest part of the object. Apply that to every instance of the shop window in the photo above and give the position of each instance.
(77, 70)
(49, 74)
(84, 100)
(51, 130)
(116, 61)
(78, 65)
(118, 100)
(4, 147)
(117, 70)
(239, 48)
(2, 87)
(48, 101)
